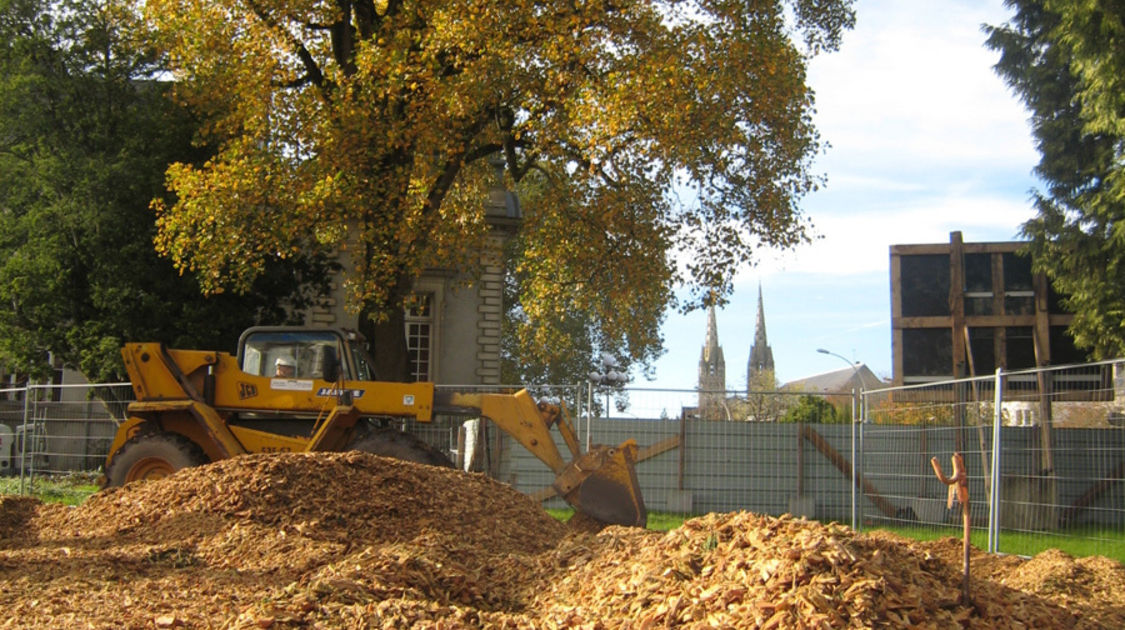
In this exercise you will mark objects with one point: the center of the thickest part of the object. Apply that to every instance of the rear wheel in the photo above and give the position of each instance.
(393, 443)
(153, 456)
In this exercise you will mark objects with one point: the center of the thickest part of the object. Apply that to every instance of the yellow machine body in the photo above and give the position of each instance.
(196, 406)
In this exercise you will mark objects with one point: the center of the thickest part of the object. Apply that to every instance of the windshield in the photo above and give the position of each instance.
(298, 354)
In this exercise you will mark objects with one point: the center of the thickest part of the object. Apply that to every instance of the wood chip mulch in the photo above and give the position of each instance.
(350, 540)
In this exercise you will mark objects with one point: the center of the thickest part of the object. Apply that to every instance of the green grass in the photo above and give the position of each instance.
(657, 521)
(1078, 542)
(70, 489)
(73, 489)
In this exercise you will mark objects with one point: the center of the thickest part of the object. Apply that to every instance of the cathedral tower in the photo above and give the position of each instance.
(761, 355)
(712, 373)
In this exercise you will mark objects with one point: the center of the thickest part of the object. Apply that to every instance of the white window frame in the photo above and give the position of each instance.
(433, 290)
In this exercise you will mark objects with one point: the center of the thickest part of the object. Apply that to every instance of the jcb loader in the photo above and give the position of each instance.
(311, 389)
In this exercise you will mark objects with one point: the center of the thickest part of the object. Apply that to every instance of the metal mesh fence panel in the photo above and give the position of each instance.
(902, 430)
(1062, 459)
(694, 462)
(49, 430)
(1044, 452)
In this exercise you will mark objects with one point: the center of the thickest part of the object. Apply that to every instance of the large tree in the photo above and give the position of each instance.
(366, 125)
(1066, 60)
(85, 136)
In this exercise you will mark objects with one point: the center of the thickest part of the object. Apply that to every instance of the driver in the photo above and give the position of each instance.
(285, 367)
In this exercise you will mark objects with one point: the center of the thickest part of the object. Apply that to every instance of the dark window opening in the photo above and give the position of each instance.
(927, 352)
(925, 285)
(982, 344)
(1055, 300)
(1017, 273)
(1063, 350)
(978, 273)
(1021, 348)
(1019, 296)
(978, 305)
(978, 284)
(1019, 305)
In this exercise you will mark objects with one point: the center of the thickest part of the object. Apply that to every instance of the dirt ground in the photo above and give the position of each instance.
(349, 540)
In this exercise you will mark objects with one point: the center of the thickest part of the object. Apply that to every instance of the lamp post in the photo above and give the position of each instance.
(855, 406)
(609, 376)
(853, 366)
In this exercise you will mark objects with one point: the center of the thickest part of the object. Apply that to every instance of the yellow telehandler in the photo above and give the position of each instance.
(292, 389)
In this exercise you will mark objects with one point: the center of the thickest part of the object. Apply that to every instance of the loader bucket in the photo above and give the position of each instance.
(603, 485)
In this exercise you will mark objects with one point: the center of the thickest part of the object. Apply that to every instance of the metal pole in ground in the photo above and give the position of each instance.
(855, 470)
(994, 481)
(858, 477)
(22, 441)
(590, 410)
(855, 466)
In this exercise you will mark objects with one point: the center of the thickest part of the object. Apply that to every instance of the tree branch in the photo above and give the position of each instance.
(511, 158)
(313, 72)
(456, 161)
(343, 38)
(481, 151)
(393, 8)
(366, 18)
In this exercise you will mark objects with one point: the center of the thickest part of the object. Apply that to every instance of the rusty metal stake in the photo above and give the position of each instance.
(958, 491)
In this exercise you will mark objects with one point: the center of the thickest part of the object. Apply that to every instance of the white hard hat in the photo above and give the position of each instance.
(285, 360)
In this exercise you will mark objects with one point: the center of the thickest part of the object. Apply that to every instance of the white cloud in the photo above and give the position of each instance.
(857, 240)
(926, 140)
(913, 83)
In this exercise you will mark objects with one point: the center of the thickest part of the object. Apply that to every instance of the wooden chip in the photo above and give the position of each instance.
(344, 540)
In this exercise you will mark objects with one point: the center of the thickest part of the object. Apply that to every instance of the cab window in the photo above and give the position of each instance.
(300, 354)
(365, 370)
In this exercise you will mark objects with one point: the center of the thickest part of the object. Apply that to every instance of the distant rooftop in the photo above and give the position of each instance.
(841, 380)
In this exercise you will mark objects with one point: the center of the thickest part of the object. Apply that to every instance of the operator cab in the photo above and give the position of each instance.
(327, 354)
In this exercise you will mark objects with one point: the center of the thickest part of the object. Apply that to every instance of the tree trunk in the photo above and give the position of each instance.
(386, 341)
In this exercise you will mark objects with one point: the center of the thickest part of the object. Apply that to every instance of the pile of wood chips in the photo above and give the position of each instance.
(350, 540)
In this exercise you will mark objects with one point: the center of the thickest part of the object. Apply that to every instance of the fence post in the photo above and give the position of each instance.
(589, 410)
(23, 443)
(994, 496)
(855, 468)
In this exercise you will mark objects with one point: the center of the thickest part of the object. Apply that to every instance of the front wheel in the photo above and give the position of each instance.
(393, 443)
(153, 456)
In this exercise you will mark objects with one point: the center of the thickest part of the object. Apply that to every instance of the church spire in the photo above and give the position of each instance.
(761, 355)
(760, 328)
(711, 343)
(712, 372)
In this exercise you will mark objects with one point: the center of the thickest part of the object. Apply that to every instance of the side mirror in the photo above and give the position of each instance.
(328, 363)
(331, 369)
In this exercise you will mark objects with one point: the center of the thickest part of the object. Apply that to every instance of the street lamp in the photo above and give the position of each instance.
(855, 468)
(609, 376)
(853, 366)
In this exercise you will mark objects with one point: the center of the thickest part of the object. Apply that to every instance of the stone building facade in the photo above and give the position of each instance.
(453, 329)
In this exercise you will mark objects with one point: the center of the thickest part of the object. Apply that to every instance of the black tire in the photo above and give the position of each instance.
(393, 443)
(153, 456)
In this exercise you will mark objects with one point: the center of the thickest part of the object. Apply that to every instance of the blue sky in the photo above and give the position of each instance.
(925, 139)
